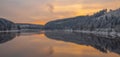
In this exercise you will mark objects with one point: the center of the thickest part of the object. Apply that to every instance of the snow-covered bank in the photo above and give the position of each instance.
(23, 30)
(101, 34)
(103, 22)
(106, 34)
(10, 31)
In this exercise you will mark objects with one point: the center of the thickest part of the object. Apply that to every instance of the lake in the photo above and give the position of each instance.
(57, 44)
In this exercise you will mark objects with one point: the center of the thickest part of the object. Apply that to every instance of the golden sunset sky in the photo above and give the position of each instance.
(42, 11)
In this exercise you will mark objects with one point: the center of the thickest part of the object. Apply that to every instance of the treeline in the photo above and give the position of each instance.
(6, 25)
(102, 20)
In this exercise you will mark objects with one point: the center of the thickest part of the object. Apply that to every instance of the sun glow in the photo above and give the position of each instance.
(43, 11)
(38, 22)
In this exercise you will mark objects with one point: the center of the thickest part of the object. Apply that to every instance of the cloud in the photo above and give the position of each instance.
(46, 10)
(51, 8)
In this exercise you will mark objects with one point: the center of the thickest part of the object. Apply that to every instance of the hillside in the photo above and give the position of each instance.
(23, 26)
(100, 21)
(6, 25)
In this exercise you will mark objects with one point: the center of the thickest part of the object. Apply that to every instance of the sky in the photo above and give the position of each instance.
(42, 11)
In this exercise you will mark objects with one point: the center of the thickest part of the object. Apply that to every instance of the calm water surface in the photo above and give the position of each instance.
(57, 44)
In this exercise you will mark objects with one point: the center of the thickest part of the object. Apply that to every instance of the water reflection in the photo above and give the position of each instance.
(7, 36)
(104, 45)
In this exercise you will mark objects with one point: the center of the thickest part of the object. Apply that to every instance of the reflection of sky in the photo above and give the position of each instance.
(46, 10)
(41, 46)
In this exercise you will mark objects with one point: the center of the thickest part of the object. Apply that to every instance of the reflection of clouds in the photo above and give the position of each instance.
(49, 50)
(40, 46)
(102, 44)
(27, 51)
(24, 47)
(73, 50)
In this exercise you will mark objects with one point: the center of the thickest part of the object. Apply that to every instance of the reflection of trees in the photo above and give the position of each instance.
(6, 36)
(100, 43)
